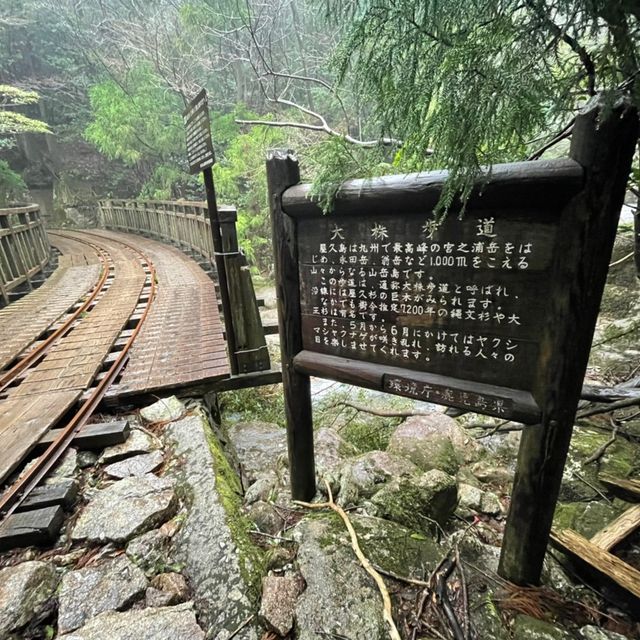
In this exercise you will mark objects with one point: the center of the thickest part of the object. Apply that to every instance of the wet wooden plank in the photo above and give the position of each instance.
(27, 528)
(23, 422)
(615, 532)
(62, 493)
(599, 559)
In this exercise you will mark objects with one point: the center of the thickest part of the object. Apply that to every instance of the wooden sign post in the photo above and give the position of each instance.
(492, 313)
(201, 158)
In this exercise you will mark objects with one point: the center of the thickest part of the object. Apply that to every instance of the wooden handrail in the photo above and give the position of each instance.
(24, 248)
(186, 224)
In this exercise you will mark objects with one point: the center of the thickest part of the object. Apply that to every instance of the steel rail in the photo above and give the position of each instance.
(35, 354)
(19, 491)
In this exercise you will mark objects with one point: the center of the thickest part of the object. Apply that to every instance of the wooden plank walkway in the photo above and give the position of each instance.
(182, 342)
(22, 322)
(50, 389)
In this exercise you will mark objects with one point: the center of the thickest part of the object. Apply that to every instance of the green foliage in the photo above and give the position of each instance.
(13, 123)
(137, 119)
(241, 180)
(12, 186)
(466, 83)
(13, 96)
(264, 403)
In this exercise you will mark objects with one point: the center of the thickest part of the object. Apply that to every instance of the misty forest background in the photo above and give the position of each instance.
(92, 92)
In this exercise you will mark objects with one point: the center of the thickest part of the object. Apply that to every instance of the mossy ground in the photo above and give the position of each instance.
(251, 557)
(365, 431)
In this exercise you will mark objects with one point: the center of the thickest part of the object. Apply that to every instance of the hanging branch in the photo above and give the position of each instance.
(323, 126)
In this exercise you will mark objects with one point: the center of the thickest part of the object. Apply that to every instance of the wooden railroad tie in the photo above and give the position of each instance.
(38, 520)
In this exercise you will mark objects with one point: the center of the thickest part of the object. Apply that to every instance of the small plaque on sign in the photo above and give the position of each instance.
(198, 131)
(469, 400)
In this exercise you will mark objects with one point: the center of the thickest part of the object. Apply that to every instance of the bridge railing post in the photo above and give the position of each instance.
(24, 248)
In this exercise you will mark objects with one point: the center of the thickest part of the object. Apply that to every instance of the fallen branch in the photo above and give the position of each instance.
(442, 598)
(364, 561)
(627, 257)
(382, 413)
(635, 327)
(621, 404)
(600, 451)
(465, 597)
(397, 576)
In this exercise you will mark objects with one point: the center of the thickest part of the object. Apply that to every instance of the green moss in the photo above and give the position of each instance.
(621, 459)
(251, 558)
(567, 514)
(264, 403)
(369, 435)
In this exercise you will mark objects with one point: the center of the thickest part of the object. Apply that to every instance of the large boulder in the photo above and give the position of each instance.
(341, 599)
(24, 590)
(109, 586)
(125, 509)
(361, 477)
(176, 623)
(434, 441)
(418, 503)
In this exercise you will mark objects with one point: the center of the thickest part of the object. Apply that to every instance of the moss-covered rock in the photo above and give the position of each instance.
(361, 477)
(434, 441)
(419, 504)
(226, 576)
(528, 628)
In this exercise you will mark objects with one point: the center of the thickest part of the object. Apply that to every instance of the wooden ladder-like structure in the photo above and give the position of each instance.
(597, 552)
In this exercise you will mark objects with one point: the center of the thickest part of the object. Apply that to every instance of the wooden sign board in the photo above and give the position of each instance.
(198, 132)
(454, 299)
(492, 311)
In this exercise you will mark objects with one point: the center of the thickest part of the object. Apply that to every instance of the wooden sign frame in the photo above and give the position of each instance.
(587, 191)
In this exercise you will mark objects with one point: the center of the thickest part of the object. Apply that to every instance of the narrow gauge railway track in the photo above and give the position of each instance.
(31, 356)
(17, 492)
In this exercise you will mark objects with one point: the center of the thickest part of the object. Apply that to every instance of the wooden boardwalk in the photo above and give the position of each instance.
(180, 344)
(24, 321)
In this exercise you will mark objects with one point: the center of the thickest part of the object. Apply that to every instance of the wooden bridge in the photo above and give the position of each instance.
(130, 311)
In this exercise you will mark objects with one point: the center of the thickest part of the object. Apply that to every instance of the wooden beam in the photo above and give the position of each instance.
(615, 532)
(244, 381)
(519, 405)
(602, 561)
(48, 495)
(27, 528)
(283, 172)
(603, 143)
(630, 488)
(509, 184)
(92, 437)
